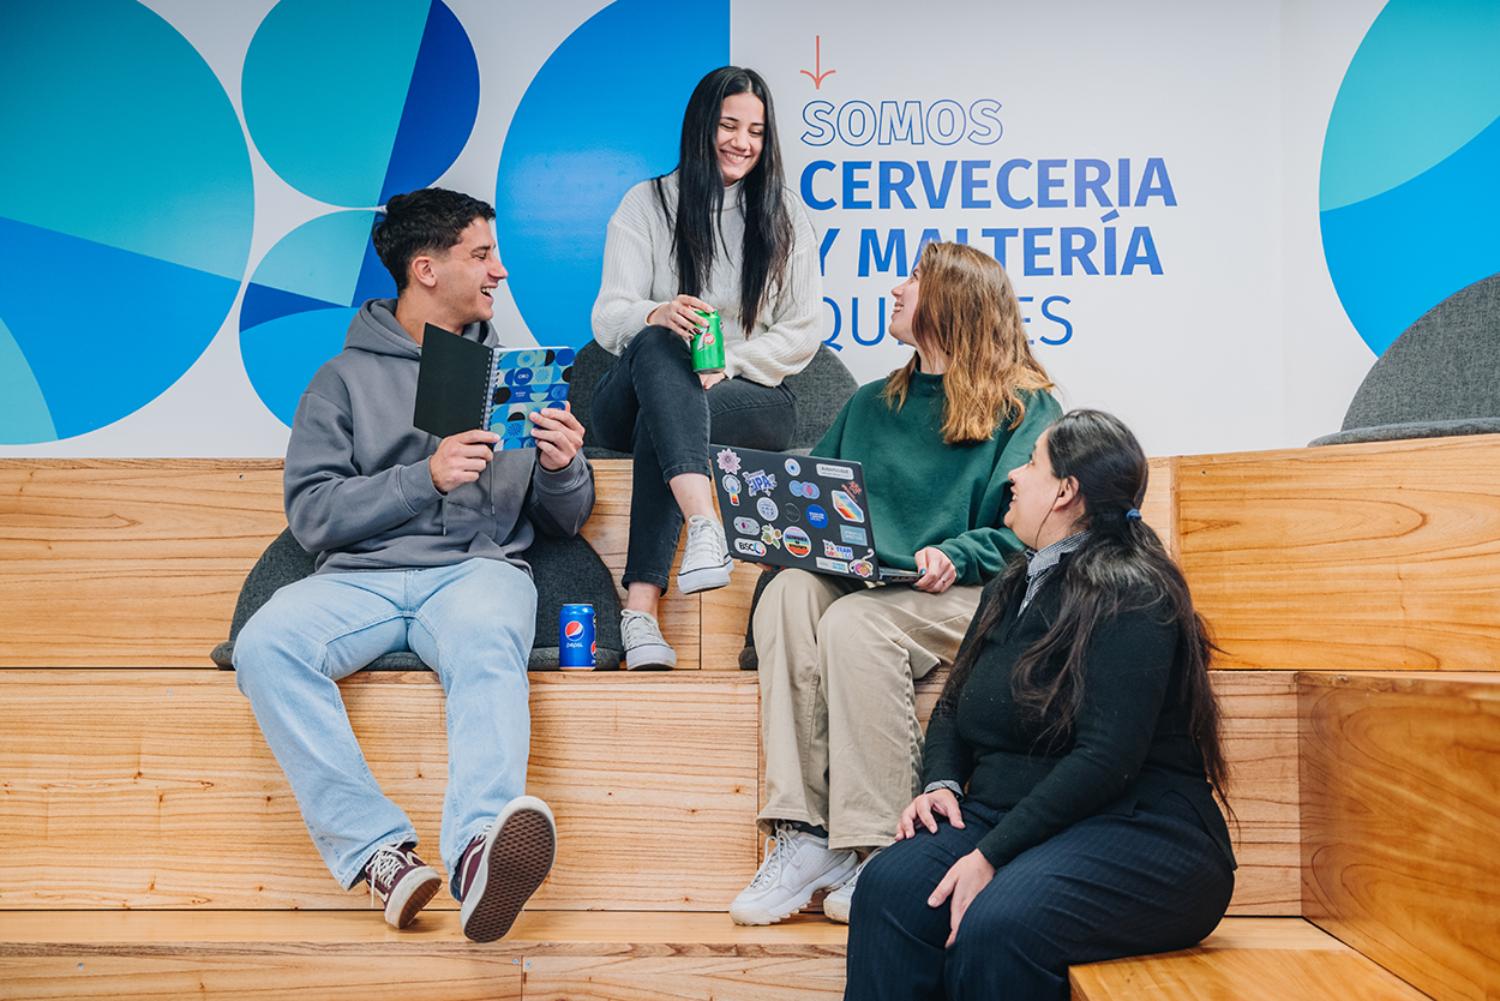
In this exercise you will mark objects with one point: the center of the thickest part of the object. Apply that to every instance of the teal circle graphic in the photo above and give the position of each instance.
(126, 206)
(300, 300)
(1411, 158)
(352, 101)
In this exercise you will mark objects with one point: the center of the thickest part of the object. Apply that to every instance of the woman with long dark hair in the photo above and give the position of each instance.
(723, 232)
(937, 439)
(1072, 763)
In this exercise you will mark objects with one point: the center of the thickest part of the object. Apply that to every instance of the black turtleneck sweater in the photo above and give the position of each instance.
(1128, 749)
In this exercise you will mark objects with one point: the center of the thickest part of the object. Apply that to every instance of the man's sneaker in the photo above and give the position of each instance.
(644, 646)
(800, 865)
(705, 560)
(837, 904)
(402, 882)
(503, 867)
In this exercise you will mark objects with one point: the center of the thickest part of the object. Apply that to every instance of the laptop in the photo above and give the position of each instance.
(799, 511)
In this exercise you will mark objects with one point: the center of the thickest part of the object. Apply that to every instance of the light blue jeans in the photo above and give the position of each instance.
(472, 623)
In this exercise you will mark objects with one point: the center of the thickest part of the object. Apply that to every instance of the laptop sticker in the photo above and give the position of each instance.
(837, 552)
(760, 482)
(771, 536)
(808, 491)
(796, 541)
(747, 526)
(791, 512)
(837, 472)
(793, 467)
(854, 536)
(767, 508)
(749, 547)
(865, 566)
(728, 460)
(732, 488)
(837, 566)
(816, 516)
(847, 508)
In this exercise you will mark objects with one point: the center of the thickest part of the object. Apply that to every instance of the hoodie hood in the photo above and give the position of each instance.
(374, 329)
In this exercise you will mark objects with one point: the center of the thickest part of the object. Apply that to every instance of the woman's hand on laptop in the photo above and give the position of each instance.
(937, 569)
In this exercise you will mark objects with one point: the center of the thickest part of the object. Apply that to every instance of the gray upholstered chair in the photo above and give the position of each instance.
(822, 389)
(1441, 377)
(566, 570)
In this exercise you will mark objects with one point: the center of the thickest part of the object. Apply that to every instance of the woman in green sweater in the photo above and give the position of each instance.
(838, 658)
(1072, 762)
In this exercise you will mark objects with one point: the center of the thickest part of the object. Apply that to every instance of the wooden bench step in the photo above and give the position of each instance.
(352, 954)
(1245, 959)
(137, 789)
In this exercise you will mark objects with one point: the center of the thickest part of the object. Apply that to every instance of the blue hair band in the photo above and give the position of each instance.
(1134, 514)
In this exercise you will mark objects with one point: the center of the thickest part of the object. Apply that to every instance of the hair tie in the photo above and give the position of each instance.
(1134, 514)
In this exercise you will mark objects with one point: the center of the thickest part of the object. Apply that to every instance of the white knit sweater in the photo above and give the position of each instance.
(640, 273)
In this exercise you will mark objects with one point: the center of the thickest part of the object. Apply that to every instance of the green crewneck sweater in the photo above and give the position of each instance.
(923, 492)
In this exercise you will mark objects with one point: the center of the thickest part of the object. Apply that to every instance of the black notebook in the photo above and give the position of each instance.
(463, 385)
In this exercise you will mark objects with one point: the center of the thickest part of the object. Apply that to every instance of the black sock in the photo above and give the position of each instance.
(805, 828)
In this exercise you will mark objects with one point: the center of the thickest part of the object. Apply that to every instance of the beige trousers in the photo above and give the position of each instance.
(838, 715)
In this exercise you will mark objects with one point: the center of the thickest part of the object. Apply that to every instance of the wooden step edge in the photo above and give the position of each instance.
(1285, 959)
(214, 676)
(1483, 685)
(594, 933)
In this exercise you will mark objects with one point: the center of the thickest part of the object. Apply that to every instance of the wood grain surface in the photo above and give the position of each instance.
(145, 789)
(137, 562)
(1401, 822)
(1352, 557)
(1245, 959)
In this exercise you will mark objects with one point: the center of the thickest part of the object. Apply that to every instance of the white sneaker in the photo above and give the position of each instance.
(800, 865)
(644, 645)
(705, 561)
(837, 904)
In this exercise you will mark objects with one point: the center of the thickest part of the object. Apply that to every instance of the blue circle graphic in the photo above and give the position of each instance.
(558, 185)
(125, 182)
(300, 300)
(1410, 159)
(352, 101)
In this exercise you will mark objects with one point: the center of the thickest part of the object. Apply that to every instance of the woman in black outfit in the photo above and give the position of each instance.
(1072, 763)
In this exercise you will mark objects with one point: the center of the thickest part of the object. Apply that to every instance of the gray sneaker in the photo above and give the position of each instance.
(645, 649)
(705, 561)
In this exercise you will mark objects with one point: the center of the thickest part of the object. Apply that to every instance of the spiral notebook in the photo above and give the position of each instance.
(463, 385)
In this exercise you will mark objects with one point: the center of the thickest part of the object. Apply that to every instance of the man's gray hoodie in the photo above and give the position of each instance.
(359, 492)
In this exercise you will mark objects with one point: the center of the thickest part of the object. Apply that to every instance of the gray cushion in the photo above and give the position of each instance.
(1440, 377)
(565, 571)
(821, 389)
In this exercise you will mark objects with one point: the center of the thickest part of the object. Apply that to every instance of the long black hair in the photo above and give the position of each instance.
(1121, 565)
(700, 196)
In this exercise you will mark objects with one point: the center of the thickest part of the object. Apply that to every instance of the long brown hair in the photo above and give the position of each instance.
(1121, 566)
(967, 311)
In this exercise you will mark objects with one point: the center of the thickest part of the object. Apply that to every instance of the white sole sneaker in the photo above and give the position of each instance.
(409, 896)
(704, 578)
(651, 657)
(770, 912)
(518, 854)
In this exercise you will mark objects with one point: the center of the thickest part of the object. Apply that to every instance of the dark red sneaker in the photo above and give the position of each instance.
(503, 867)
(402, 881)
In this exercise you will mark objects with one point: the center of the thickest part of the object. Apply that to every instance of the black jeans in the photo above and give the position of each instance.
(1116, 884)
(652, 405)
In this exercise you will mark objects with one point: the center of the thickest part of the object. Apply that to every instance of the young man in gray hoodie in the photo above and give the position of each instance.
(420, 545)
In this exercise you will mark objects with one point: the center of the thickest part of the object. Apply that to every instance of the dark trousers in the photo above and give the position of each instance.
(652, 405)
(1110, 886)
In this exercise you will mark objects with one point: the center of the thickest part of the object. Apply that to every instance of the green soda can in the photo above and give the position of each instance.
(708, 344)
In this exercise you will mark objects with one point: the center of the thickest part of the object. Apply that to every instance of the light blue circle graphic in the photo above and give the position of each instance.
(300, 300)
(352, 101)
(1410, 162)
(568, 158)
(126, 206)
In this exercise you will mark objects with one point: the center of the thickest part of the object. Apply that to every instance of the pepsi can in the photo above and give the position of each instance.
(575, 638)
